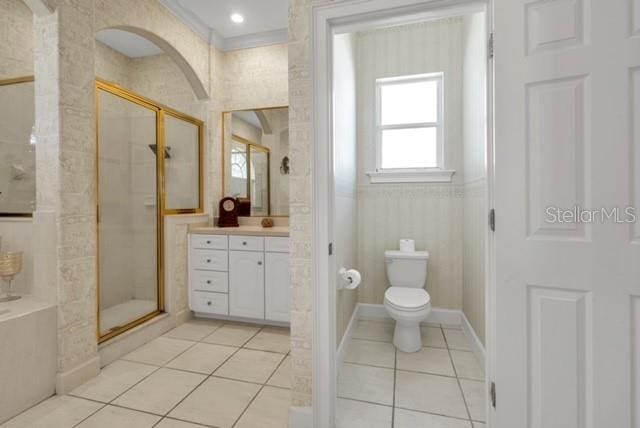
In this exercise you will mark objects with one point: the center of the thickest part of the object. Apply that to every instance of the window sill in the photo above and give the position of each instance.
(424, 176)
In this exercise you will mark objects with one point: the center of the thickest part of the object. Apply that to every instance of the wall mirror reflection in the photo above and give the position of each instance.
(17, 147)
(256, 160)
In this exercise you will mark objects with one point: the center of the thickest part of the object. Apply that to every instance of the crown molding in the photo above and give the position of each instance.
(256, 40)
(189, 18)
(215, 39)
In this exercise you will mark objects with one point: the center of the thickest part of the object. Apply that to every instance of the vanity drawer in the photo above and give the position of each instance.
(210, 259)
(209, 242)
(205, 280)
(210, 303)
(246, 243)
(276, 244)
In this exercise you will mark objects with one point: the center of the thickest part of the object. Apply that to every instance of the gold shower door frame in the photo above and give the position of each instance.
(160, 111)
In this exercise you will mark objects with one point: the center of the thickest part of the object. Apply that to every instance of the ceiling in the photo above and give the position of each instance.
(265, 21)
(127, 43)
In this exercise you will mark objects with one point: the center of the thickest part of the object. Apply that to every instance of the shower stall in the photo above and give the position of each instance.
(149, 161)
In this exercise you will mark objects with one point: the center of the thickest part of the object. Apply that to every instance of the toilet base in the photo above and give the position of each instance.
(406, 336)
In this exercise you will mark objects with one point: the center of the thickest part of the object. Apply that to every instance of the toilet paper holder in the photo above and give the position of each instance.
(351, 277)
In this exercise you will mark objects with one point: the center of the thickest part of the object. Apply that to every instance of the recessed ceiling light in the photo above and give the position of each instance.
(237, 18)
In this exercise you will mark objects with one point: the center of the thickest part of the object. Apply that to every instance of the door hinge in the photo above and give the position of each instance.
(331, 248)
(492, 394)
(492, 219)
(490, 46)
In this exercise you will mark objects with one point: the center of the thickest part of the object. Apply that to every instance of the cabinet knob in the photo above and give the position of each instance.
(209, 303)
(259, 263)
(208, 260)
(208, 281)
(208, 242)
(244, 242)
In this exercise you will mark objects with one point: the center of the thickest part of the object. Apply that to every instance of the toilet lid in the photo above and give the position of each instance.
(407, 298)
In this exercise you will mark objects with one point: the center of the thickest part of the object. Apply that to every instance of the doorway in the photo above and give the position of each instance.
(365, 202)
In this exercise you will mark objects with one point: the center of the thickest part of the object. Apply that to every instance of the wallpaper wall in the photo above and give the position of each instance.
(346, 195)
(429, 213)
(475, 178)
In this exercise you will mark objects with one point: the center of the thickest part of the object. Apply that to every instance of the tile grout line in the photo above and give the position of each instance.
(464, 399)
(458, 418)
(210, 375)
(92, 413)
(257, 393)
(156, 368)
(395, 373)
(277, 368)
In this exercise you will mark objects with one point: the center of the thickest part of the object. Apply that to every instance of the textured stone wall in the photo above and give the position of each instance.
(243, 79)
(65, 220)
(301, 191)
(150, 19)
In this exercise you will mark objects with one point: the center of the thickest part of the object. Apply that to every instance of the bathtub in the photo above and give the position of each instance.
(28, 349)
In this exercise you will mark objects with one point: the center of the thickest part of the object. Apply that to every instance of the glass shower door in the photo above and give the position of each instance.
(128, 211)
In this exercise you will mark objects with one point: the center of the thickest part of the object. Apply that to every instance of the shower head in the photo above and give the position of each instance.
(167, 150)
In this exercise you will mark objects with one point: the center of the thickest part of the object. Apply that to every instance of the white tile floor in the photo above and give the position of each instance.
(202, 373)
(440, 386)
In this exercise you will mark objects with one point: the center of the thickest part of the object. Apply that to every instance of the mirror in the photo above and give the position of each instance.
(255, 146)
(17, 147)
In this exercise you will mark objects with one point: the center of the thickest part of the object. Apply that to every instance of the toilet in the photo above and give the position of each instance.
(406, 300)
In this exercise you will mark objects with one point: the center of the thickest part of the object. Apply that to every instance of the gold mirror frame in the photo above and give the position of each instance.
(249, 144)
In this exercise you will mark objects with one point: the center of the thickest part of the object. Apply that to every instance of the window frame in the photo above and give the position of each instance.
(438, 77)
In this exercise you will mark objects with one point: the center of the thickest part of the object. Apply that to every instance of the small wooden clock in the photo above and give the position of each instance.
(228, 213)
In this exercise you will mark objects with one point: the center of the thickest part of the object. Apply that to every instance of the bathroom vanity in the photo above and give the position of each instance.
(240, 272)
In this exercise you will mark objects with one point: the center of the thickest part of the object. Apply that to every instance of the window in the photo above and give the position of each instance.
(409, 113)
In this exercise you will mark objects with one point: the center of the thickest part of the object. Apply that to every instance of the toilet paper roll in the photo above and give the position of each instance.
(351, 277)
(407, 245)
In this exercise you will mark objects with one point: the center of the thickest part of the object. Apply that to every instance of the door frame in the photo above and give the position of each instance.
(341, 17)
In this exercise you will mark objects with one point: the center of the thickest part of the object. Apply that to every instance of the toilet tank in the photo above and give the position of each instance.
(406, 269)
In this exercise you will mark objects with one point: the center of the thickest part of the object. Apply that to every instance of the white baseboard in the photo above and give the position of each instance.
(371, 310)
(451, 317)
(69, 380)
(300, 417)
(437, 315)
(346, 337)
(472, 337)
(447, 317)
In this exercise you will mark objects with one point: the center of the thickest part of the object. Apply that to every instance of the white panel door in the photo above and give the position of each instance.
(246, 284)
(277, 287)
(567, 134)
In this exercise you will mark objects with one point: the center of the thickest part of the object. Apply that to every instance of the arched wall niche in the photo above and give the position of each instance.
(147, 18)
(167, 49)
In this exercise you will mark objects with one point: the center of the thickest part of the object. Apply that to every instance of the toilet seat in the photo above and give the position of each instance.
(407, 299)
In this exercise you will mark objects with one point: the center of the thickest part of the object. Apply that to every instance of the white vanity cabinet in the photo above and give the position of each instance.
(240, 276)
(246, 284)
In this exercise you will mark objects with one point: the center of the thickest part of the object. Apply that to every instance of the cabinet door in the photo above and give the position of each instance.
(246, 284)
(277, 287)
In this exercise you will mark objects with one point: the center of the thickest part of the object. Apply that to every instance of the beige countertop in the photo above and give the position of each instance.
(242, 230)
